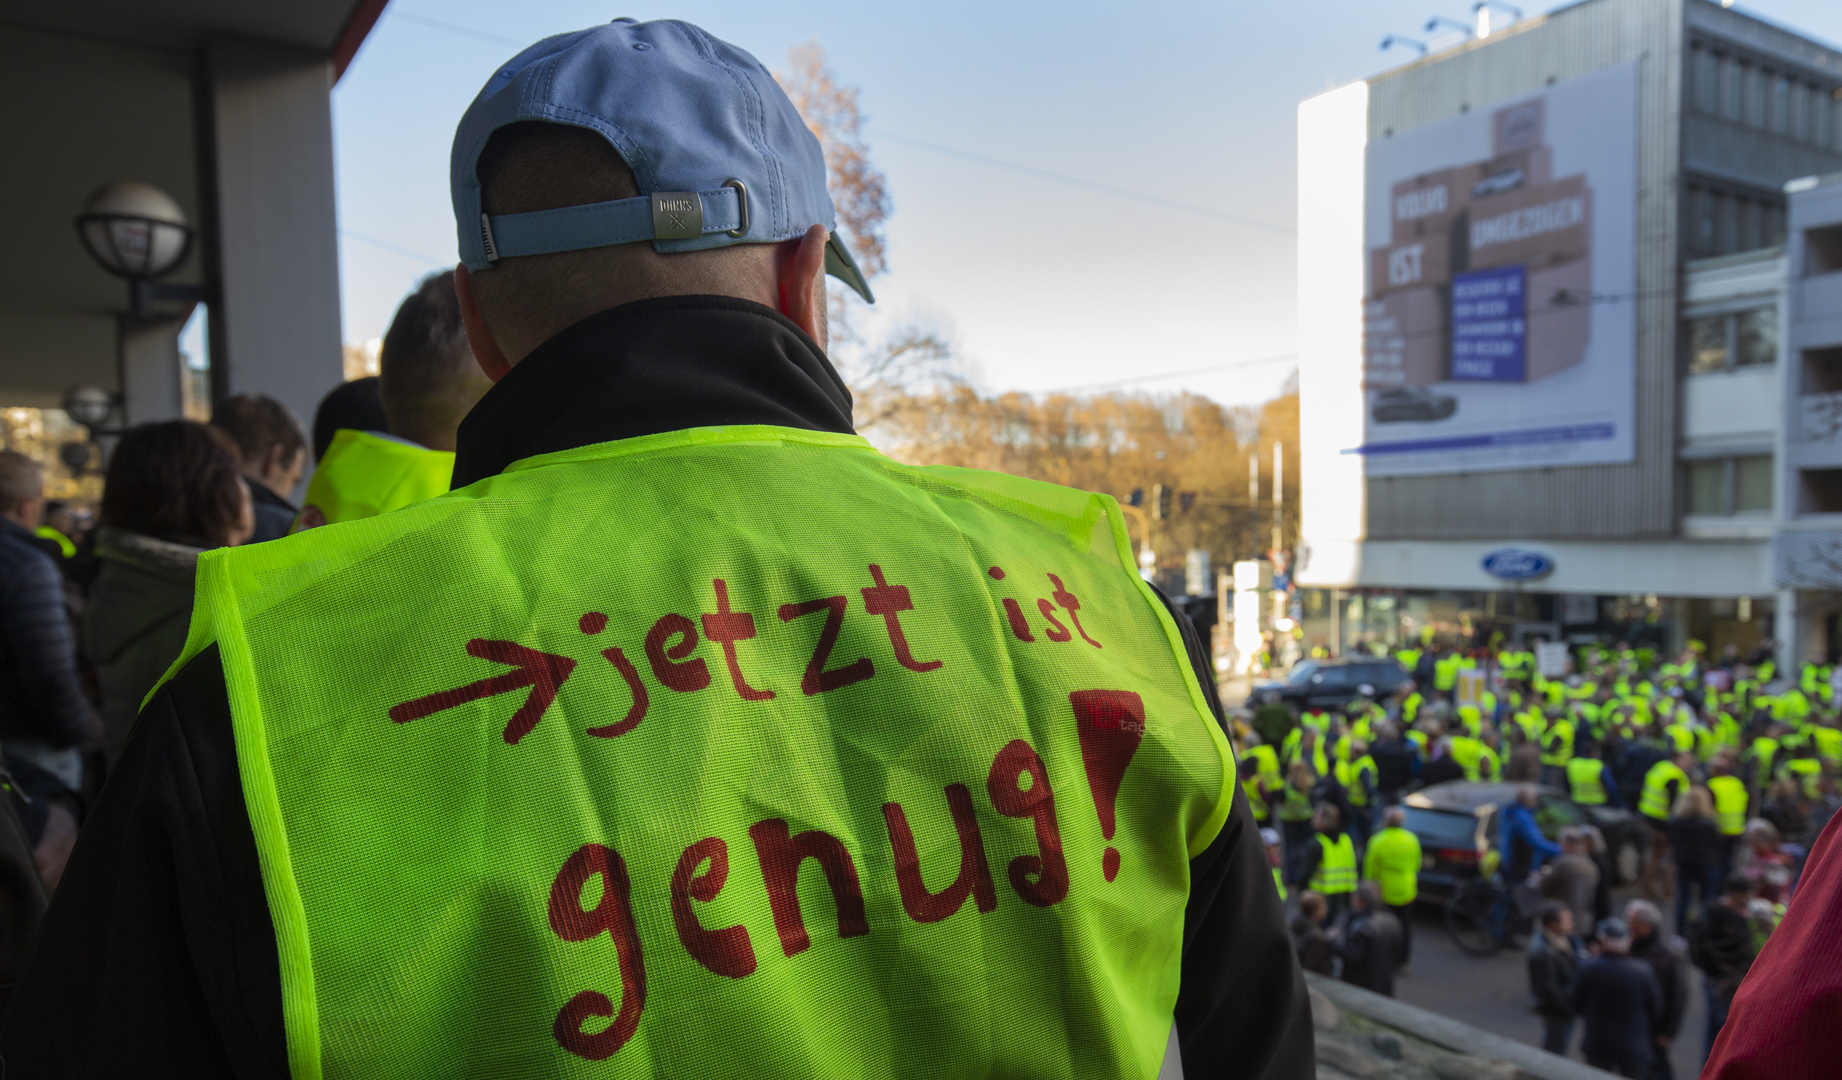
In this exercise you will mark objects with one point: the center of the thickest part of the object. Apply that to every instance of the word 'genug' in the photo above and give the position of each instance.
(702, 872)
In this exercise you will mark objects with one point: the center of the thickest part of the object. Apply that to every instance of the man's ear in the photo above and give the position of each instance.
(800, 266)
(486, 351)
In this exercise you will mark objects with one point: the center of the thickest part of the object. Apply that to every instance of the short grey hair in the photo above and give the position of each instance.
(1645, 912)
(21, 478)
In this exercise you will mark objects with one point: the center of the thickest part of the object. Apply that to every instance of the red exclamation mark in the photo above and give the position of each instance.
(1111, 723)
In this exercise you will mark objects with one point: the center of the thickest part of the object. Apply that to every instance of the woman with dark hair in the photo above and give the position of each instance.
(173, 490)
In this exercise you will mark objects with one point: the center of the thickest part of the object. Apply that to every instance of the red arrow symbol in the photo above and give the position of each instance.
(541, 671)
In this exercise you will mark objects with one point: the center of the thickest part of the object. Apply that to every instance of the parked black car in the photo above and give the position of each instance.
(1457, 826)
(1332, 684)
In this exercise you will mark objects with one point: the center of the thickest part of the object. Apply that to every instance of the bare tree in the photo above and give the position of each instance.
(910, 358)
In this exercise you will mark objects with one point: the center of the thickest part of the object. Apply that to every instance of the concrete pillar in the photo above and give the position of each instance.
(271, 226)
(1787, 628)
(150, 376)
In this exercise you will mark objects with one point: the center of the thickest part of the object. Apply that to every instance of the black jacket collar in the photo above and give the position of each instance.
(655, 365)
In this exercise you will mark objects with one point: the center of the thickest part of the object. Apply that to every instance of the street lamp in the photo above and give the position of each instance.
(136, 231)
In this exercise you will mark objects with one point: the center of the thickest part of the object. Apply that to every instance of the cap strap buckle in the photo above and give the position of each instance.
(677, 215)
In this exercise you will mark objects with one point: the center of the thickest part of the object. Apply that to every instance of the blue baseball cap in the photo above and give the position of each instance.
(720, 155)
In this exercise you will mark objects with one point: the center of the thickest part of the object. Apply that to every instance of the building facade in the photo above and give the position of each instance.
(1545, 372)
(222, 106)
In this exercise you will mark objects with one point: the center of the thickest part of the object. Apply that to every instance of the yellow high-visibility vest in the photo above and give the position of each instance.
(365, 474)
(1653, 802)
(1336, 872)
(1729, 803)
(1586, 781)
(1393, 862)
(501, 751)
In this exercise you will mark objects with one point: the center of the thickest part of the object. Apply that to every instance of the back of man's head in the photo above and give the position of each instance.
(528, 299)
(21, 480)
(259, 425)
(427, 376)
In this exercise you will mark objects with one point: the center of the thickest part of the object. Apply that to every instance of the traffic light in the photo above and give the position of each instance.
(1187, 501)
(1160, 502)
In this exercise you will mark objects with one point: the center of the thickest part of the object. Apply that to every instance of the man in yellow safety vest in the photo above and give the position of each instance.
(428, 380)
(1393, 861)
(689, 734)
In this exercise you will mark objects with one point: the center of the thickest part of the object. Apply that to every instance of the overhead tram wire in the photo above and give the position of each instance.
(394, 249)
(932, 147)
(1080, 182)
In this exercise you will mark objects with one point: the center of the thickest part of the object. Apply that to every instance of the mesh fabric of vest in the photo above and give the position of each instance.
(660, 758)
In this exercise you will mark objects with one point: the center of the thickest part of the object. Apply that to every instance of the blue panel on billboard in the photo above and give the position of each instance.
(1489, 325)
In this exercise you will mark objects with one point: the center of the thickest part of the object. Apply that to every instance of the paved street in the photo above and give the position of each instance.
(1493, 992)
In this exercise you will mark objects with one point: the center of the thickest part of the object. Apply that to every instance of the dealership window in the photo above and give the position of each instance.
(1722, 487)
(1739, 339)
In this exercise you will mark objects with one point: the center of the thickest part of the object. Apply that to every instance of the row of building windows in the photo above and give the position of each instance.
(1724, 219)
(1751, 90)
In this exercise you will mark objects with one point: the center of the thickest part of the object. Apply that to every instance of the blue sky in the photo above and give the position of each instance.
(1039, 285)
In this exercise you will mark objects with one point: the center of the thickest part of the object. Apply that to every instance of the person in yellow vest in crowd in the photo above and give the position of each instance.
(1471, 719)
(60, 528)
(1295, 815)
(1478, 760)
(1261, 790)
(1758, 762)
(1804, 768)
(1556, 751)
(1445, 673)
(1410, 702)
(1265, 756)
(1392, 861)
(428, 381)
(679, 650)
(1329, 866)
(1730, 800)
(1589, 782)
(1828, 742)
(1358, 777)
(1665, 780)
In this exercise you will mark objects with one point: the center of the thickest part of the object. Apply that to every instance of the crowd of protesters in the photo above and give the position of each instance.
(1731, 762)
(95, 603)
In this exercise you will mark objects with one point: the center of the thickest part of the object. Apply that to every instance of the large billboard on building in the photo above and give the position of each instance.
(1499, 325)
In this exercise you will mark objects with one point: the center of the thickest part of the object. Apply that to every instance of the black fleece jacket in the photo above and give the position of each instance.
(158, 957)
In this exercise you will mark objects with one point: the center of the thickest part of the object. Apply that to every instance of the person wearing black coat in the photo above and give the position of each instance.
(1394, 763)
(45, 719)
(1371, 943)
(1648, 945)
(1622, 1005)
(1554, 967)
(1700, 850)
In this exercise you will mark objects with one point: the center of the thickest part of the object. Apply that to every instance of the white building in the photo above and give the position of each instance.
(1543, 277)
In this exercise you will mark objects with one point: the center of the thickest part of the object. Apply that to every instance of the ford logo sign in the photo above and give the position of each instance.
(1517, 564)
